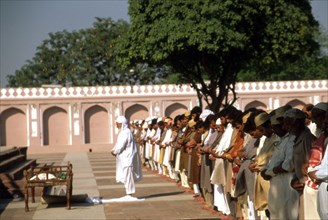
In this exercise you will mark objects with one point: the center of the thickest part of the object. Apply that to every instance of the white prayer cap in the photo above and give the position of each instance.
(159, 119)
(121, 119)
(145, 125)
(205, 113)
(218, 121)
(147, 119)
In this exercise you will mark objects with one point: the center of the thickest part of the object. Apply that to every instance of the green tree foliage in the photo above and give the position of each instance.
(307, 67)
(83, 58)
(207, 43)
(73, 58)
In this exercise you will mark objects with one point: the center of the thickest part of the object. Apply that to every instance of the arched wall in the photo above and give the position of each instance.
(295, 103)
(145, 101)
(136, 112)
(13, 127)
(175, 109)
(256, 104)
(96, 125)
(55, 126)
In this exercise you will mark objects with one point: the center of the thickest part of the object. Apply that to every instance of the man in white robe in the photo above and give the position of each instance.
(283, 200)
(168, 149)
(218, 178)
(128, 162)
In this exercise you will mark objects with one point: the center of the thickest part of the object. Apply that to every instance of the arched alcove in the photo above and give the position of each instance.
(136, 112)
(55, 126)
(295, 103)
(96, 125)
(13, 127)
(256, 104)
(175, 109)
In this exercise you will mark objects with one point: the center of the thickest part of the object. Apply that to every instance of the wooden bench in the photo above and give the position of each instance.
(48, 176)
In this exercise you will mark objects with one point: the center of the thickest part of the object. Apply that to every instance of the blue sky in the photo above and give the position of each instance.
(25, 24)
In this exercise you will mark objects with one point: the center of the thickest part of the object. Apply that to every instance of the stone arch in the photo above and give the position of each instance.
(96, 125)
(55, 126)
(175, 109)
(136, 112)
(256, 104)
(13, 128)
(295, 103)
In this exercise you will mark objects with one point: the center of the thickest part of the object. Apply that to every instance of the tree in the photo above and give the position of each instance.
(85, 57)
(307, 67)
(207, 43)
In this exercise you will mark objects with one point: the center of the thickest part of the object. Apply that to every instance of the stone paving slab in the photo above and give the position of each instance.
(94, 174)
(163, 198)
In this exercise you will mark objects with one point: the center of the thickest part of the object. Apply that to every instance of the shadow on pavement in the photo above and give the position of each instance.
(163, 194)
(4, 203)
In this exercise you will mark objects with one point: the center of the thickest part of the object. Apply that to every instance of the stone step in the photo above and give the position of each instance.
(16, 171)
(11, 187)
(7, 164)
(7, 153)
(13, 184)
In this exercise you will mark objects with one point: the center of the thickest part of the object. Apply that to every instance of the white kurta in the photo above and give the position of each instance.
(322, 197)
(218, 173)
(148, 145)
(128, 162)
(218, 178)
(168, 149)
(156, 138)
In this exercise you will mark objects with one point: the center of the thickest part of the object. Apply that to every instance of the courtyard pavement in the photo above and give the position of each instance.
(94, 175)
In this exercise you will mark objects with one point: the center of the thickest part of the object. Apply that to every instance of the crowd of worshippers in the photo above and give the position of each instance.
(254, 164)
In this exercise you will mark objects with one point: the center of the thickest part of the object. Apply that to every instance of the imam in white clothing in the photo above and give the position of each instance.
(128, 162)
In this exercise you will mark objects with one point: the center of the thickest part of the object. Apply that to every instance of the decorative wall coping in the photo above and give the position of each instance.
(157, 90)
(282, 86)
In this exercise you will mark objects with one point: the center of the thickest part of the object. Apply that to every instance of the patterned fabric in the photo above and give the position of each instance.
(316, 153)
(235, 170)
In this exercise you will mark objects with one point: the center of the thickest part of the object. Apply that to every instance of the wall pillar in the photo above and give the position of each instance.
(34, 125)
(76, 131)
